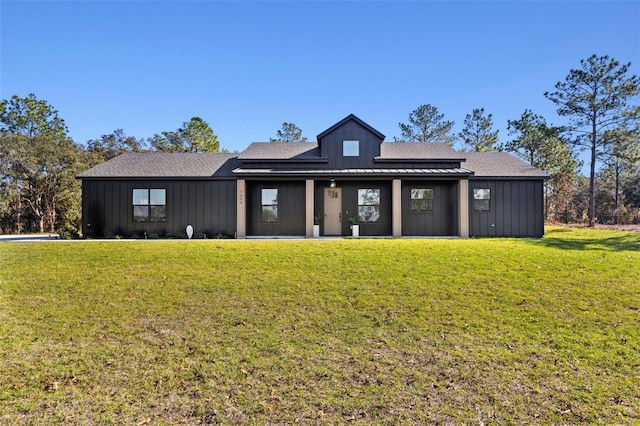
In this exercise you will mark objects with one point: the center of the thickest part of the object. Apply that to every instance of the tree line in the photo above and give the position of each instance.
(39, 161)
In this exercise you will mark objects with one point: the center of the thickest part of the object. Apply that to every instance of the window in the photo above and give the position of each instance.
(269, 205)
(421, 199)
(149, 205)
(369, 205)
(481, 199)
(350, 148)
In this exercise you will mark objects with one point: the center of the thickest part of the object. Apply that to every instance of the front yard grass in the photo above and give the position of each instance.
(323, 332)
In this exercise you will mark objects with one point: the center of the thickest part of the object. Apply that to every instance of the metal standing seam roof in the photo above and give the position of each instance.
(356, 172)
(388, 151)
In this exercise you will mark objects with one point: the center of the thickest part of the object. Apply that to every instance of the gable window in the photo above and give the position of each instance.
(350, 148)
(149, 205)
(421, 199)
(369, 205)
(269, 205)
(481, 199)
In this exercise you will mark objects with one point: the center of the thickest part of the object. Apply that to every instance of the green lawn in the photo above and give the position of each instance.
(329, 332)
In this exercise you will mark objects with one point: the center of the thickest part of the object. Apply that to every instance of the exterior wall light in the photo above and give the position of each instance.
(332, 184)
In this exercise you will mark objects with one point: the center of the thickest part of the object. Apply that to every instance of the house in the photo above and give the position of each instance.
(279, 189)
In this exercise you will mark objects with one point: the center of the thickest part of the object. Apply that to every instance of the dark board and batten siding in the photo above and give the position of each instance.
(208, 206)
(516, 209)
(442, 220)
(350, 205)
(291, 209)
(369, 147)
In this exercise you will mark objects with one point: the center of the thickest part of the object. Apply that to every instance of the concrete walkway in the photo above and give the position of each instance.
(29, 237)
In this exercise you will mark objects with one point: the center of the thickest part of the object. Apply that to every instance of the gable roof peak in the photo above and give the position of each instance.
(350, 117)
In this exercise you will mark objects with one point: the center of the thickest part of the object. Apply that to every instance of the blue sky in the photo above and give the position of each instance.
(247, 67)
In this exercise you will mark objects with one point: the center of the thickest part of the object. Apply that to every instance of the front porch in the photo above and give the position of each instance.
(289, 208)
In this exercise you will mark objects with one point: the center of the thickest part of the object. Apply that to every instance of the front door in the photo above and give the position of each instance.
(332, 211)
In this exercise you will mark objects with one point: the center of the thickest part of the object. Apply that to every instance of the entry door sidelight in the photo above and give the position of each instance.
(332, 211)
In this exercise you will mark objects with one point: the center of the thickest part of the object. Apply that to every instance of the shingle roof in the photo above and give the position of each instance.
(280, 151)
(418, 150)
(499, 164)
(159, 165)
(165, 165)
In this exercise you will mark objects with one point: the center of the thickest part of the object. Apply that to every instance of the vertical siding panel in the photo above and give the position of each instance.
(225, 198)
(212, 214)
(473, 217)
(84, 206)
(531, 209)
(170, 216)
(231, 196)
(522, 209)
(499, 227)
(101, 210)
(116, 207)
(495, 209)
(108, 209)
(232, 214)
(506, 208)
(191, 204)
(120, 205)
(128, 196)
(200, 203)
(184, 206)
(540, 209)
(513, 208)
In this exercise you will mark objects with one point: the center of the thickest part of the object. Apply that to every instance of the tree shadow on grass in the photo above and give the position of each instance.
(566, 239)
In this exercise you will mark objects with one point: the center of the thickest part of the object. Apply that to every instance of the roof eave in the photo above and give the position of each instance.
(285, 160)
(417, 160)
(485, 177)
(350, 173)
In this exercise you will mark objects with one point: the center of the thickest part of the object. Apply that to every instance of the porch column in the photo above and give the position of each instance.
(241, 209)
(309, 207)
(396, 208)
(463, 209)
